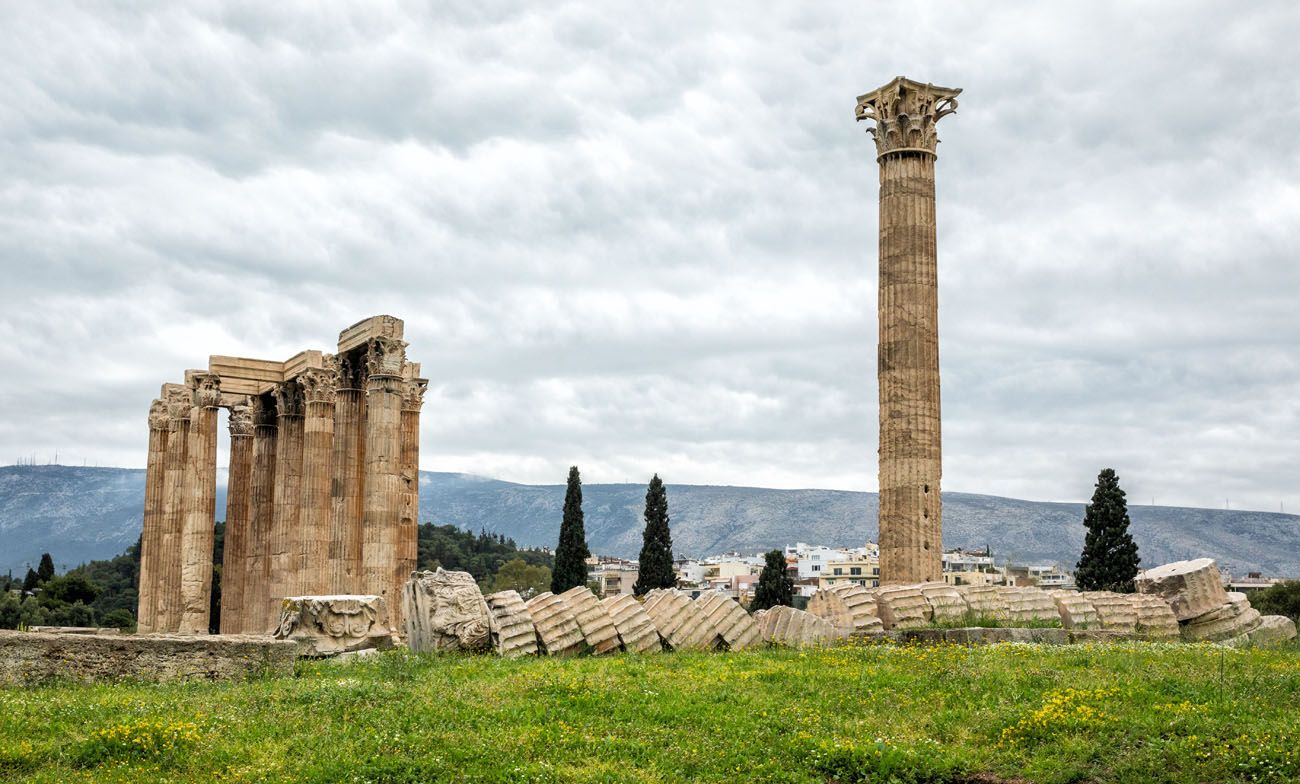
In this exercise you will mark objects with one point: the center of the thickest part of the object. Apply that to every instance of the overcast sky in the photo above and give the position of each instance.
(641, 236)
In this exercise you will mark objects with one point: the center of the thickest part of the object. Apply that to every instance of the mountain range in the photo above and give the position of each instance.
(80, 514)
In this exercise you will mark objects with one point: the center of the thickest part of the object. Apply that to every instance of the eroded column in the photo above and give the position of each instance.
(200, 512)
(311, 541)
(382, 511)
(257, 609)
(151, 533)
(167, 616)
(409, 516)
(239, 507)
(288, 494)
(347, 497)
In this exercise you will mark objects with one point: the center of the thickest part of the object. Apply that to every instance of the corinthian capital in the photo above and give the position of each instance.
(385, 357)
(288, 399)
(158, 415)
(413, 394)
(241, 418)
(905, 113)
(320, 384)
(179, 400)
(207, 390)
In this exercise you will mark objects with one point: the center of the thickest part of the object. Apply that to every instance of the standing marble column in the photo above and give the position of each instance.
(288, 494)
(239, 505)
(257, 609)
(408, 530)
(346, 496)
(198, 534)
(167, 615)
(151, 534)
(311, 541)
(382, 510)
(905, 113)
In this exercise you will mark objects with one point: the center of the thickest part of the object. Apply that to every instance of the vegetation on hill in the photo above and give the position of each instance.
(1131, 712)
(483, 555)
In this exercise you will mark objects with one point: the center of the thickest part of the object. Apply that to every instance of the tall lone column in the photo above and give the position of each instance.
(408, 530)
(905, 113)
(288, 495)
(151, 535)
(382, 511)
(167, 616)
(239, 508)
(346, 494)
(312, 537)
(200, 513)
(257, 567)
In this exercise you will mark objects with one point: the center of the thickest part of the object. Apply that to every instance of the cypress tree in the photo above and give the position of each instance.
(45, 570)
(31, 581)
(571, 553)
(1109, 561)
(774, 586)
(656, 561)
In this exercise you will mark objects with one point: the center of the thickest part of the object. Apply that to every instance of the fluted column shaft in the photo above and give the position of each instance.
(239, 507)
(151, 532)
(167, 616)
(312, 538)
(409, 517)
(347, 497)
(257, 568)
(288, 496)
(198, 533)
(382, 511)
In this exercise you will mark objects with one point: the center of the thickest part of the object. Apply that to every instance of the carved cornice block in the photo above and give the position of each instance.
(334, 624)
(445, 611)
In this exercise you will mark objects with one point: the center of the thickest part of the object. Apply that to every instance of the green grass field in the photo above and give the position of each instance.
(1126, 712)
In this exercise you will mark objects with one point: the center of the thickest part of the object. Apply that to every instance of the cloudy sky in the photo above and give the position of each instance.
(642, 236)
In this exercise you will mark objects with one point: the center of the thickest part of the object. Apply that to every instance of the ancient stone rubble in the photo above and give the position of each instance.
(1030, 605)
(682, 625)
(1155, 618)
(635, 629)
(511, 625)
(1192, 588)
(984, 601)
(557, 629)
(334, 624)
(1233, 618)
(795, 628)
(734, 625)
(1075, 610)
(1272, 631)
(1114, 611)
(593, 621)
(902, 606)
(850, 608)
(445, 612)
(946, 604)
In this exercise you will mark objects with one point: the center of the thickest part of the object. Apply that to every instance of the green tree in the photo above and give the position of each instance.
(11, 608)
(1278, 599)
(69, 589)
(519, 575)
(1109, 561)
(656, 561)
(31, 582)
(571, 554)
(774, 585)
(46, 570)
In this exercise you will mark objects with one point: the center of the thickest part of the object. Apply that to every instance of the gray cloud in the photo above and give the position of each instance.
(642, 238)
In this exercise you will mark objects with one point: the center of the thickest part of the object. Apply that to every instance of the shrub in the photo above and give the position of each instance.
(162, 742)
(1280, 599)
(879, 761)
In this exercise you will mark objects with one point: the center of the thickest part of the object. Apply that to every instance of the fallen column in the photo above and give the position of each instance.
(681, 624)
(849, 608)
(595, 624)
(557, 629)
(635, 629)
(1191, 588)
(511, 627)
(734, 625)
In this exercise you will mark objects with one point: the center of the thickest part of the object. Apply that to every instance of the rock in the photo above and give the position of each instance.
(511, 627)
(1192, 588)
(1272, 631)
(902, 606)
(1114, 611)
(1232, 619)
(795, 628)
(1155, 618)
(848, 607)
(635, 629)
(734, 625)
(557, 628)
(330, 625)
(680, 622)
(595, 624)
(445, 611)
(946, 603)
(1075, 610)
(1030, 605)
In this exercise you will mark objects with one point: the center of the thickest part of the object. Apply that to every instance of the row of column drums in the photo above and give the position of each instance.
(322, 493)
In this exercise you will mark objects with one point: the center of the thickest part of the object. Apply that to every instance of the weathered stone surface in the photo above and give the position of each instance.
(681, 623)
(795, 628)
(333, 624)
(1030, 605)
(445, 611)
(1191, 588)
(734, 625)
(1075, 610)
(593, 621)
(1114, 611)
(75, 629)
(1155, 618)
(557, 629)
(849, 608)
(984, 601)
(1272, 631)
(634, 626)
(1231, 619)
(513, 633)
(946, 604)
(902, 606)
(33, 657)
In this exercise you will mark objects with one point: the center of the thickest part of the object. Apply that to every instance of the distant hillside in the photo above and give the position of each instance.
(83, 513)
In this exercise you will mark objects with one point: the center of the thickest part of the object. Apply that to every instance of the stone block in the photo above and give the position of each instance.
(1232, 619)
(1114, 611)
(796, 628)
(1155, 618)
(1075, 610)
(682, 625)
(595, 624)
(635, 629)
(511, 625)
(902, 607)
(557, 628)
(445, 611)
(984, 601)
(334, 624)
(946, 603)
(734, 625)
(1192, 588)
(1272, 631)
(76, 629)
(849, 608)
(1030, 605)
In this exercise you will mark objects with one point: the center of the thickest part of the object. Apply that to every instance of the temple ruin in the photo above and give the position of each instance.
(323, 488)
(905, 113)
